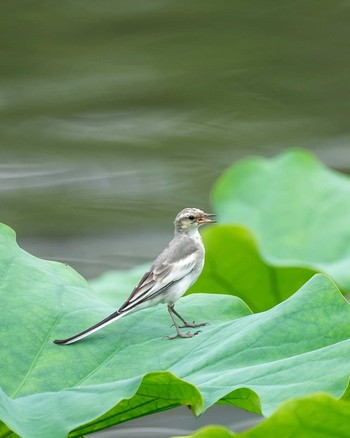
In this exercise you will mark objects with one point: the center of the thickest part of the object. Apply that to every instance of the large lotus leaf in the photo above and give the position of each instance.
(234, 265)
(128, 369)
(297, 209)
(317, 416)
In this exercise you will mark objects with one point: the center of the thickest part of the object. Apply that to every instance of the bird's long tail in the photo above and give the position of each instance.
(111, 318)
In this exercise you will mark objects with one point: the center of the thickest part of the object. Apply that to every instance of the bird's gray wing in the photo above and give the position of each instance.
(174, 263)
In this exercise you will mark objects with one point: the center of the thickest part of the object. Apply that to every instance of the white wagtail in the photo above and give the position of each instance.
(171, 274)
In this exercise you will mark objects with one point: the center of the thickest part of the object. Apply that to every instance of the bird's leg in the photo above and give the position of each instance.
(186, 323)
(178, 333)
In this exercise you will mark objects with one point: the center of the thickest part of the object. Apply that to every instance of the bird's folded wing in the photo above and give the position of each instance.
(159, 279)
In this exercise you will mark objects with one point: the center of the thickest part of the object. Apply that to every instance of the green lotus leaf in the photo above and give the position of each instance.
(297, 209)
(317, 416)
(234, 265)
(128, 369)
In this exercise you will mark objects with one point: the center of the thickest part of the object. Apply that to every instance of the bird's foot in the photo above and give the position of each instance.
(193, 324)
(183, 335)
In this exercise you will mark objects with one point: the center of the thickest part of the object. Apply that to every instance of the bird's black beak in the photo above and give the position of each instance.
(206, 219)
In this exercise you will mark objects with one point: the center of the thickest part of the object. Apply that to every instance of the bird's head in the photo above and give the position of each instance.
(189, 219)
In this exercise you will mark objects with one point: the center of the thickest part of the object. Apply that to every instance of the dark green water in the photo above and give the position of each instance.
(115, 115)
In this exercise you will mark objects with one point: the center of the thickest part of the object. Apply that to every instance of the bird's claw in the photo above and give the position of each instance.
(183, 335)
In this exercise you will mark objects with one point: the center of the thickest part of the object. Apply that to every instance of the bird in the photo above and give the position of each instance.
(175, 269)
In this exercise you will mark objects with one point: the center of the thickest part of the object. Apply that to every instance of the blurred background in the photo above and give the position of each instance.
(115, 115)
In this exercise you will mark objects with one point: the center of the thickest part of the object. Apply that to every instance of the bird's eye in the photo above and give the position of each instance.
(191, 218)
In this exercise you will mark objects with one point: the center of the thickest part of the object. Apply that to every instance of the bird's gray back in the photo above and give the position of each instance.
(179, 248)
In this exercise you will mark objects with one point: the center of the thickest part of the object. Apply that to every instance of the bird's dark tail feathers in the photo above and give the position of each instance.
(111, 318)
